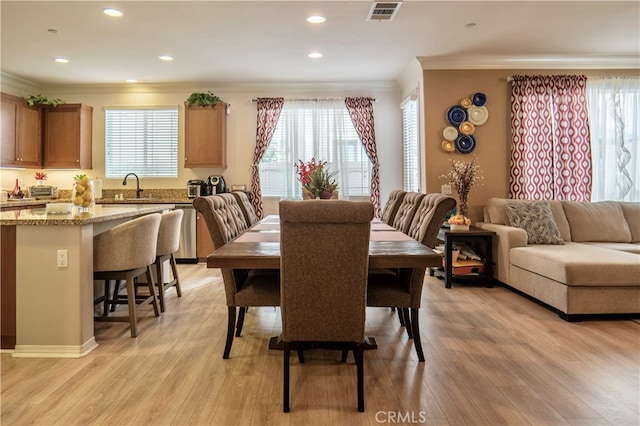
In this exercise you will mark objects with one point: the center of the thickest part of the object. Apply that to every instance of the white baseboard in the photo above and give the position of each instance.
(54, 351)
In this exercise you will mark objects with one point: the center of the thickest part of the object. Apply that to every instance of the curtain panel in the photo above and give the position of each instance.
(550, 140)
(361, 112)
(268, 114)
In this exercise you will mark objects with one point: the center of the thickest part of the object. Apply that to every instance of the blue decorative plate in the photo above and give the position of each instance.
(479, 99)
(466, 143)
(456, 115)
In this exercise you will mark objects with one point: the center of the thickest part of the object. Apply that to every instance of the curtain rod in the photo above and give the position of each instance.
(253, 101)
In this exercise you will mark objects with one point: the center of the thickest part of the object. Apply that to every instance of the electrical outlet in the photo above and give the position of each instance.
(62, 259)
(446, 189)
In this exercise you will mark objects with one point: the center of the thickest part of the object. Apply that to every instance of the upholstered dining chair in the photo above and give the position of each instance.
(402, 288)
(246, 207)
(126, 252)
(168, 244)
(407, 209)
(242, 287)
(392, 205)
(324, 278)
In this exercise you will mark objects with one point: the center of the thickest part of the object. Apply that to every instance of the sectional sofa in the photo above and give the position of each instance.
(579, 258)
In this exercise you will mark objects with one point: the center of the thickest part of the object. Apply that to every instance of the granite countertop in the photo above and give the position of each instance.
(28, 202)
(98, 213)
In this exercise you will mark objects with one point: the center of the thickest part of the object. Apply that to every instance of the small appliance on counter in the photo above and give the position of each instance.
(42, 191)
(216, 185)
(196, 188)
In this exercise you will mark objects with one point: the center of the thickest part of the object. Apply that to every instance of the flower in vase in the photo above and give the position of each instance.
(463, 176)
(316, 178)
(41, 176)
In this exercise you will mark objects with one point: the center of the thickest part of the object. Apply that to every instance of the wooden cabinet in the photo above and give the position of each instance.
(67, 136)
(21, 144)
(204, 244)
(205, 136)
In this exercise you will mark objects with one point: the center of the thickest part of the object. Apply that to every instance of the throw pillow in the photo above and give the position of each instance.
(535, 218)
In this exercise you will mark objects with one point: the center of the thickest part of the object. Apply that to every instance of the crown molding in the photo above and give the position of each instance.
(529, 62)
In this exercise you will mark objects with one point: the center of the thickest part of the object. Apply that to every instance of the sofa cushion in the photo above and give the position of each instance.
(599, 221)
(536, 218)
(631, 212)
(579, 264)
(495, 213)
(628, 247)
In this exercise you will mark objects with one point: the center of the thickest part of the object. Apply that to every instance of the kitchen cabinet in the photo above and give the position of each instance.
(205, 136)
(21, 144)
(204, 244)
(67, 136)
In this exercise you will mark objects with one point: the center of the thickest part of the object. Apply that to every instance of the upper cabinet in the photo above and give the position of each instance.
(67, 136)
(205, 137)
(21, 144)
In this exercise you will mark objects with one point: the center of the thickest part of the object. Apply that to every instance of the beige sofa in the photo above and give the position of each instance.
(593, 269)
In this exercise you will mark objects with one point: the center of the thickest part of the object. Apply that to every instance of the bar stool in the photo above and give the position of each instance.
(126, 252)
(168, 243)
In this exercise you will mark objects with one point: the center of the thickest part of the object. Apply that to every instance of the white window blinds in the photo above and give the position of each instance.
(141, 140)
(411, 151)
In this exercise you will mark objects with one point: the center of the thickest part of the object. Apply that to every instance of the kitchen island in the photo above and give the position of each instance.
(54, 304)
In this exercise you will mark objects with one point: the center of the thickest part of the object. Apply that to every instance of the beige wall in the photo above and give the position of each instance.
(444, 88)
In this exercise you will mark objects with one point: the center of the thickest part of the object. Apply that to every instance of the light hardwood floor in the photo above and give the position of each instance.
(492, 358)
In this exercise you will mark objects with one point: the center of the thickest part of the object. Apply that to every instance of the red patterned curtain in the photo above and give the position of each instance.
(361, 112)
(268, 114)
(550, 143)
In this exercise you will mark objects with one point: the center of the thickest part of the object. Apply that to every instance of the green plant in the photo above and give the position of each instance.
(203, 99)
(43, 100)
(315, 177)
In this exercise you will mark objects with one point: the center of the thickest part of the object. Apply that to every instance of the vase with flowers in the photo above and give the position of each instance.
(40, 178)
(463, 176)
(316, 179)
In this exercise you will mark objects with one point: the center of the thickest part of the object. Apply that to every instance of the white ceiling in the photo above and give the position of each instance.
(267, 41)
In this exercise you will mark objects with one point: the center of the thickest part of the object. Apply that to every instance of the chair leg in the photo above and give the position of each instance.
(105, 303)
(231, 325)
(160, 283)
(174, 269)
(116, 291)
(416, 334)
(400, 316)
(131, 301)
(407, 322)
(285, 375)
(152, 292)
(359, 356)
(300, 356)
(243, 310)
(345, 354)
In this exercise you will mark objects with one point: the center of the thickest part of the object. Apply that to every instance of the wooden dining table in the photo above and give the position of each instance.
(259, 248)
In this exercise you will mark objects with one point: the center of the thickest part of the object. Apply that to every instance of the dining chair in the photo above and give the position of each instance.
(168, 244)
(408, 206)
(233, 205)
(243, 287)
(402, 288)
(126, 252)
(246, 207)
(324, 258)
(392, 205)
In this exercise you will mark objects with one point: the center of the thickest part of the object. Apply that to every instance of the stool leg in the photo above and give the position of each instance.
(174, 268)
(105, 303)
(154, 299)
(131, 299)
(160, 286)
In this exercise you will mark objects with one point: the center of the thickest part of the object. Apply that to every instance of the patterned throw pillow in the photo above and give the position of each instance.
(535, 218)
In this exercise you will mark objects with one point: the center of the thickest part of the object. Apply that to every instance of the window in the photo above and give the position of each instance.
(614, 120)
(410, 147)
(142, 141)
(320, 129)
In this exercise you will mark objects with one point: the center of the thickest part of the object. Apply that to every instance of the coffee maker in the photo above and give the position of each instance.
(196, 188)
(215, 185)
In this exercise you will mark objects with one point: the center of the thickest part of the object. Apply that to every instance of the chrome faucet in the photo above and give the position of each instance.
(138, 190)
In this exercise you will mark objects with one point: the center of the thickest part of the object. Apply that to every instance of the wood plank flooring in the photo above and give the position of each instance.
(493, 357)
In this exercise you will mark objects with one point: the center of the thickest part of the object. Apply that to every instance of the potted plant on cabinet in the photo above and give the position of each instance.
(202, 99)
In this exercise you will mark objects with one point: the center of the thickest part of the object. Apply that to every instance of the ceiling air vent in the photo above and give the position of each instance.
(384, 11)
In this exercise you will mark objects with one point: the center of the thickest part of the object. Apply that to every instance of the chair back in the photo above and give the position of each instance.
(222, 220)
(406, 211)
(246, 207)
(393, 204)
(429, 217)
(127, 246)
(234, 207)
(324, 252)
(169, 233)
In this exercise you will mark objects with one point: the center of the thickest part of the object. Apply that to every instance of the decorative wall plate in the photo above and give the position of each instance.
(478, 115)
(450, 133)
(448, 146)
(466, 143)
(456, 115)
(479, 99)
(466, 102)
(467, 128)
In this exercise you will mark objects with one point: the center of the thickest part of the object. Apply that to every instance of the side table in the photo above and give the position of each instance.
(472, 236)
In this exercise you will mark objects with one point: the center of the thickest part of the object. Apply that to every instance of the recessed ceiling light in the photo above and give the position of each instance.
(52, 31)
(316, 19)
(315, 55)
(110, 11)
(61, 60)
(131, 80)
(470, 25)
(166, 57)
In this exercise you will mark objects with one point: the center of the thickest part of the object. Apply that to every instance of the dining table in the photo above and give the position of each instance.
(259, 248)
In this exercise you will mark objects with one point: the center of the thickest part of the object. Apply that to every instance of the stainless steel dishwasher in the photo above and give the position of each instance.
(187, 252)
